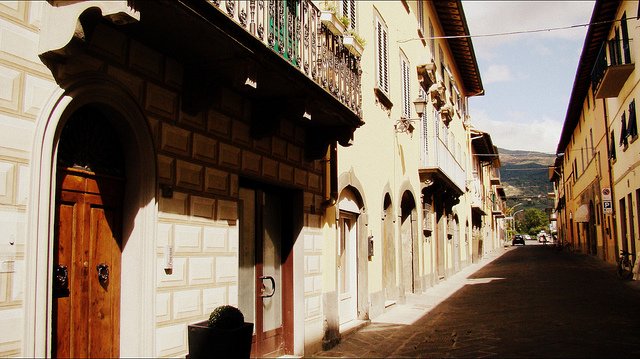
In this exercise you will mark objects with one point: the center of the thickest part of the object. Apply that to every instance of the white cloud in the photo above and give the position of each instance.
(537, 134)
(492, 17)
(500, 17)
(542, 50)
(497, 73)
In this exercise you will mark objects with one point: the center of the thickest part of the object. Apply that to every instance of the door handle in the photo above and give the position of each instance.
(273, 286)
(103, 273)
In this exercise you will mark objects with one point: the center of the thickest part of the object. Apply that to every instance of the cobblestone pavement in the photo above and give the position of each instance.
(529, 302)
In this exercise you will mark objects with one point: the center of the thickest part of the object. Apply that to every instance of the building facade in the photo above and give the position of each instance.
(594, 175)
(159, 159)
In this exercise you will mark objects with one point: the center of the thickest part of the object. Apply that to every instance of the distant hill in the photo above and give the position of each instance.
(525, 178)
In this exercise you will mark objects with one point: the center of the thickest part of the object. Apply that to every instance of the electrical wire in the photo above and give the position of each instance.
(518, 32)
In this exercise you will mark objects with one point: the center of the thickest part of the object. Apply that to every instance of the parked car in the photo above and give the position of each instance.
(527, 237)
(517, 239)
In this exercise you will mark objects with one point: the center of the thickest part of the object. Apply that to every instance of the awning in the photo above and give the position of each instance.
(582, 214)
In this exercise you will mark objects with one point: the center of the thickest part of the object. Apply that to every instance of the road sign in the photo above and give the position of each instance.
(606, 194)
(607, 207)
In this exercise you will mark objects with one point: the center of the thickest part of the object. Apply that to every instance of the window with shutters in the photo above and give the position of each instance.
(420, 14)
(432, 41)
(441, 59)
(406, 86)
(632, 126)
(349, 11)
(612, 146)
(624, 142)
(425, 129)
(382, 61)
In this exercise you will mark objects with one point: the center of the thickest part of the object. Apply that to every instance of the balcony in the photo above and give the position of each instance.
(612, 68)
(499, 199)
(294, 30)
(477, 195)
(278, 55)
(439, 165)
(275, 59)
(495, 176)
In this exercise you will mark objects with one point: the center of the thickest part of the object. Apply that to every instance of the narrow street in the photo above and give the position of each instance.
(531, 301)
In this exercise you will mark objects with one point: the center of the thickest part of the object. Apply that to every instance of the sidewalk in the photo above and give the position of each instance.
(419, 304)
(400, 318)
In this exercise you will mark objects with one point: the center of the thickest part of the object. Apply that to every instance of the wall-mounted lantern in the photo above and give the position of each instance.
(406, 124)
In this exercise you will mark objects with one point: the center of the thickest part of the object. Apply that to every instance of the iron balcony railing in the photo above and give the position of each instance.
(614, 52)
(495, 175)
(292, 28)
(477, 194)
(436, 154)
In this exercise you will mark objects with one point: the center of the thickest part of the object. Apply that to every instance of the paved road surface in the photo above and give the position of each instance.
(528, 302)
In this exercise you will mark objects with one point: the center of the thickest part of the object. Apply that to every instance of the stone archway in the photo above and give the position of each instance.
(410, 262)
(138, 217)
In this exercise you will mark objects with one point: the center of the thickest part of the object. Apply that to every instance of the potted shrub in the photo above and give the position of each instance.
(354, 43)
(224, 335)
(330, 19)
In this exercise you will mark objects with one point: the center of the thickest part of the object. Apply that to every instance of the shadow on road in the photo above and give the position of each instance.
(532, 301)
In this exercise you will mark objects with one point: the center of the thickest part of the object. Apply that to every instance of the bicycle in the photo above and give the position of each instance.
(624, 269)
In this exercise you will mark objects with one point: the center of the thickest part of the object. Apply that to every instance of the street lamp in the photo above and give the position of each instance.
(514, 206)
(406, 124)
(513, 217)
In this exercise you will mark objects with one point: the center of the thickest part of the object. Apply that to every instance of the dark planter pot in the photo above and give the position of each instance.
(205, 342)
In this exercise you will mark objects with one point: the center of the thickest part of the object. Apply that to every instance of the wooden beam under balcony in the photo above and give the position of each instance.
(613, 80)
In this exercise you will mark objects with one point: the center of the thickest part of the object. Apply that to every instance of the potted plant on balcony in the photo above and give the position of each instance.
(330, 19)
(353, 42)
(224, 335)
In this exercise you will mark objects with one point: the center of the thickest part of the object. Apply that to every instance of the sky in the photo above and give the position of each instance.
(527, 78)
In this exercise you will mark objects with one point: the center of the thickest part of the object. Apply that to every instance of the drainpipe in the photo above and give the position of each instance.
(331, 173)
(614, 228)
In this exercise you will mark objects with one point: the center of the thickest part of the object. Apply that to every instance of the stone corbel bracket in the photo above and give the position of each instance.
(61, 21)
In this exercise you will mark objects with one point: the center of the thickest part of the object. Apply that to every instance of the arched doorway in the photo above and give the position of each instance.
(388, 253)
(455, 227)
(347, 255)
(409, 243)
(88, 239)
(138, 220)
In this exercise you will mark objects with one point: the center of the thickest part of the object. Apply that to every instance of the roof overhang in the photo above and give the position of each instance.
(603, 13)
(454, 23)
(483, 146)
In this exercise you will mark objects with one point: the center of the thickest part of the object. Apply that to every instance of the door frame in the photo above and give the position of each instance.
(287, 262)
(139, 216)
(351, 248)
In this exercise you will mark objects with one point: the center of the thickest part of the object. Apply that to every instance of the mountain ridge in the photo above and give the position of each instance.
(524, 176)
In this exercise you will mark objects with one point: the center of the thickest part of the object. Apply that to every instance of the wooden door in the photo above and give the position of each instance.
(86, 266)
(266, 277)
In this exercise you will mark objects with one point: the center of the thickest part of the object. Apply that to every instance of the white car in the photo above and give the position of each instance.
(527, 237)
